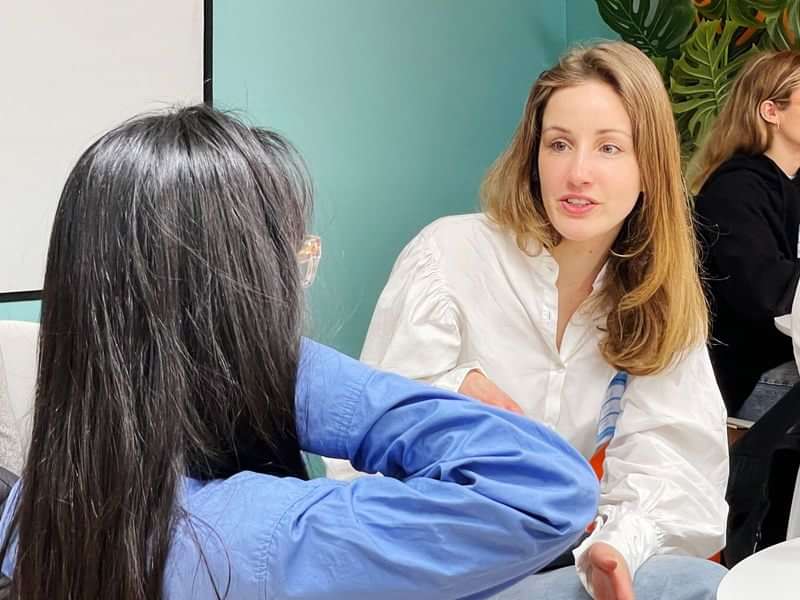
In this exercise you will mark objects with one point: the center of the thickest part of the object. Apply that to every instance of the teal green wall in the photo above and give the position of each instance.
(398, 108)
(584, 23)
(20, 311)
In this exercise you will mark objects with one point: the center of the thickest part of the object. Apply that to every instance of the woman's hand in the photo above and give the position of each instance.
(609, 573)
(477, 385)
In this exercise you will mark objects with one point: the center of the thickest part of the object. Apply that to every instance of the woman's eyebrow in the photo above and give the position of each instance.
(560, 129)
(613, 130)
(555, 128)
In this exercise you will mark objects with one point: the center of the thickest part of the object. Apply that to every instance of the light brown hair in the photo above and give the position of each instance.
(652, 291)
(739, 129)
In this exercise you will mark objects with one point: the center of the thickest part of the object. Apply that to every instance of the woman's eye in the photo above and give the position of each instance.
(609, 149)
(558, 146)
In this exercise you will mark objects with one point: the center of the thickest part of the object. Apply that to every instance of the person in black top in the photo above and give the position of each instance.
(748, 213)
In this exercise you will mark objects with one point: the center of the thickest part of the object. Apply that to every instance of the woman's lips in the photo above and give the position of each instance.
(576, 206)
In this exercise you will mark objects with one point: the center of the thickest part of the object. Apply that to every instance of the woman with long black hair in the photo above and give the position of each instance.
(175, 395)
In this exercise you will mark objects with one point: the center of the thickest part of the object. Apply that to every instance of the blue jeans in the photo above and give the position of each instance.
(663, 577)
(771, 387)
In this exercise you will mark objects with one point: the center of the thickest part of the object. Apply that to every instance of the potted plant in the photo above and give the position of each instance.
(700, 45)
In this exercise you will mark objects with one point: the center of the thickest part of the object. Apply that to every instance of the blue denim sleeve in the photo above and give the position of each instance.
(473, 497)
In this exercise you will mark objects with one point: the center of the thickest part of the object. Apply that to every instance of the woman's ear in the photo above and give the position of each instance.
(768, 111)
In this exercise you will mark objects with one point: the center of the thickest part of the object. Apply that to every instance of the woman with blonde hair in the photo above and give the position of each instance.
(748, 209)
(575, 299)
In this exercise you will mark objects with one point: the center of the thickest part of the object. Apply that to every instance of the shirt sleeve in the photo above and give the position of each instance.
(415, 330)
(745, 263)
(473, 497)
(416, 327)
(666, 469)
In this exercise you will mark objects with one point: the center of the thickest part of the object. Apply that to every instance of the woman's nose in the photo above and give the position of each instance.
(579, 172)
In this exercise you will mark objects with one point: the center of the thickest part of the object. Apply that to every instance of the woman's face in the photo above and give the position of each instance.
(587, 165)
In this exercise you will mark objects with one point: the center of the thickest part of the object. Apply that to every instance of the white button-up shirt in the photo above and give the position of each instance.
(463, 296)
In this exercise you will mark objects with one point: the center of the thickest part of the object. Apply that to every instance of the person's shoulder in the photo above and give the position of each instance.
(740, 175)
(228, 502)
(455, 233)
(243, 516)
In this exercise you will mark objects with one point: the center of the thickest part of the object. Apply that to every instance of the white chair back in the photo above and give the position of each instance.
(18, 356)
(793, 530)
(795, 327)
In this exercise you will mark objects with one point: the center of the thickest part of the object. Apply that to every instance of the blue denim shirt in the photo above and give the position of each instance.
(473, 499)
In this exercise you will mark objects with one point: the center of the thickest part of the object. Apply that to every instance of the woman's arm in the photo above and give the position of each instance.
(415, 331)
(666, 469)
(474, 497)
(416, 326)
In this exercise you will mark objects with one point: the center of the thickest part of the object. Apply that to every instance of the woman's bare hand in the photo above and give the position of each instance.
(477, 385)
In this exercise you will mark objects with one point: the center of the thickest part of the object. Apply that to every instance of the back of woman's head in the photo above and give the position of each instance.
(653, 293)
(739, 128)
(171, 318)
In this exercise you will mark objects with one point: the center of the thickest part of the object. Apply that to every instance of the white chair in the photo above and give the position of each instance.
(18, 356)
(793, 323)
(793, 529)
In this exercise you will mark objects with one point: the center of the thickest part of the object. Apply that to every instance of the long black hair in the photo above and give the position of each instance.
(170, 332)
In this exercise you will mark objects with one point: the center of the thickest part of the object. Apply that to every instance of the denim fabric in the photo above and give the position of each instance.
(663, 577)
(771, 387)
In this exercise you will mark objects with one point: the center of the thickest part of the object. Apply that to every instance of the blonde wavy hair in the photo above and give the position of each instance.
(739, 129)
(656, 310)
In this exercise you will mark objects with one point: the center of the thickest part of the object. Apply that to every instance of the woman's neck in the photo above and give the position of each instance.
(578, 265)
(784, 154)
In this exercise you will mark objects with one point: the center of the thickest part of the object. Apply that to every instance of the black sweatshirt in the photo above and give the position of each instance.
(748, 213)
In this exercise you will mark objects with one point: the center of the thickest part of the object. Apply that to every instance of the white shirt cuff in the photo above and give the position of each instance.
(339, 468)
(632, 535)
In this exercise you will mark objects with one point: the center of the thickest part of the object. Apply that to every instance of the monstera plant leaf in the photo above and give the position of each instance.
(753, 13)
(656, 27)
(702, 77)
(710, 9)
(750, 13)
(783, 27)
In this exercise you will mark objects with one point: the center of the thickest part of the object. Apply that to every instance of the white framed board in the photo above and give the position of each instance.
(70, 71)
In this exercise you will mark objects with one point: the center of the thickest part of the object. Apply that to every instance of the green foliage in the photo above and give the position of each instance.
(701, 78)
(751, 13)
(782, 26)
(711, 9)
(700, 45)
(656, 27)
